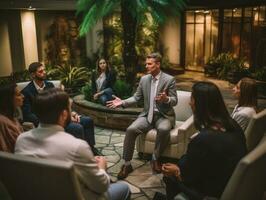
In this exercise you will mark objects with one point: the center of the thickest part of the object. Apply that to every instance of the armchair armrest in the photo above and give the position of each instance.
(188, 129)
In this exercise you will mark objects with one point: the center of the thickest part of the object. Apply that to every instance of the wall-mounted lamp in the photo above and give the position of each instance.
(31, 8)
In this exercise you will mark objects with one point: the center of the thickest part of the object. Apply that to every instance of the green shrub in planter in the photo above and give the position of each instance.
(122, 89)
(87, 91)
(260, 76)
(225, 66)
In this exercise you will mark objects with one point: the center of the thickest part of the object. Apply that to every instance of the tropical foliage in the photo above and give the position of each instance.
(132, 13)
(70, 76)
(87, 91)
(226, 66)
(122, 89)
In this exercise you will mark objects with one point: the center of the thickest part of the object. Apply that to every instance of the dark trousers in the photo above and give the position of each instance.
(83, 130)
(175, 186)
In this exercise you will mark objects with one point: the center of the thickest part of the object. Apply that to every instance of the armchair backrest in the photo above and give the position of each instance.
(22, 85)
(182, 109)
(256, 129)
(249, 178)
(27, 178)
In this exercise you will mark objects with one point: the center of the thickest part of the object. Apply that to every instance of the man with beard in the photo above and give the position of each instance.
(50, 141)
(81, 127)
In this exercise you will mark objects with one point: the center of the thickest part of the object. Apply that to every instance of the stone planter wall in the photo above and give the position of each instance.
(110, 118)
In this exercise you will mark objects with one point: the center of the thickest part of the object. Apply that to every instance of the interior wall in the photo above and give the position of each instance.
(93, 41)
(171, 40)
(5, 55)
(44, 20)
(29, 37)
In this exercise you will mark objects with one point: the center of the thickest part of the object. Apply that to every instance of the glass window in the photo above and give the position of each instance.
(201, 38)
(189, 44)
(262, 14)
(245, 41)
(228, 15)
(200, 17)
(190, 17)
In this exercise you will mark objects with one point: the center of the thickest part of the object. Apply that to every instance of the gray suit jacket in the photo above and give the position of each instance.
(166, 82)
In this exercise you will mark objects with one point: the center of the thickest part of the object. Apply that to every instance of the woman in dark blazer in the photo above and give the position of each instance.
(212, 154)
(102, 82)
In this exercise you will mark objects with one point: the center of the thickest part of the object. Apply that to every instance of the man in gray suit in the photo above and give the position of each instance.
(158, 90)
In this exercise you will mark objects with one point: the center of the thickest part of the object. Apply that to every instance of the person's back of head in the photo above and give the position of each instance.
(248, 93)
(209, 107)
(7, 95)
(50, 104)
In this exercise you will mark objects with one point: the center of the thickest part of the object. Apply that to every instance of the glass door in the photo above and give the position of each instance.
(201, 37)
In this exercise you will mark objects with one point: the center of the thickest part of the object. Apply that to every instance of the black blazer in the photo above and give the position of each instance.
(30, 92)
(210, 161)
(108, 83)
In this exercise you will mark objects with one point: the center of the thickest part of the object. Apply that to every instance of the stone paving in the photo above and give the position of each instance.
(142, 182)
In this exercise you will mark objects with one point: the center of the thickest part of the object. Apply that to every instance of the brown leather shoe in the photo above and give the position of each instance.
(156, 166)
(125, 170)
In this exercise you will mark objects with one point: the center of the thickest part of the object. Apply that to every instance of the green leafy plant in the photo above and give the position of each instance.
(87, 91)
(122, 89)
(131, 14)
(4, 80)
(70, 76)
(260, 74)
(225, 66)
(21, 76)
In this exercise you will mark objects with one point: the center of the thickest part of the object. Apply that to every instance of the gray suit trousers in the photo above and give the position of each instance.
(142, 126)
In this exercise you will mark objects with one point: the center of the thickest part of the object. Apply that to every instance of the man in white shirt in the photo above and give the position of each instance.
(80, 126)
(50, 141)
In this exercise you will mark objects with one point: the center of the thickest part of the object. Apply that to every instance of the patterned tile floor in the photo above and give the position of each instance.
(142, 182)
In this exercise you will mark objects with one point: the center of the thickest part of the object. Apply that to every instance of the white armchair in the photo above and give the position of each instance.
(31, 178)
(57, 84)
(255, 129)
(179, 136)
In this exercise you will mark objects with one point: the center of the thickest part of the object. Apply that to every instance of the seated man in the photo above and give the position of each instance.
(81, 126)
(49, 141)
(158, 91)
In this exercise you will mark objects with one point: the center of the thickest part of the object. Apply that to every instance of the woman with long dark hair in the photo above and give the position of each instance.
(246, 92)
(102, 82)
(10, 128)
(212, 154)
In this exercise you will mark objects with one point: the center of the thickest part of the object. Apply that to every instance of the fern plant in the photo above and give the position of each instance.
(70, 76)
